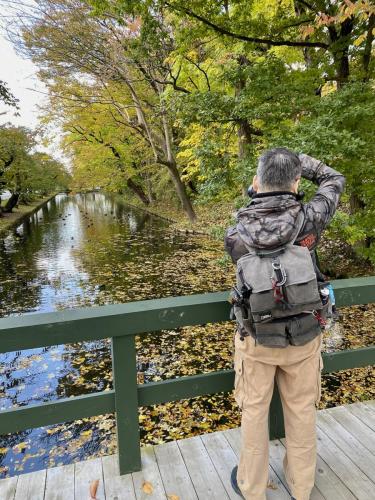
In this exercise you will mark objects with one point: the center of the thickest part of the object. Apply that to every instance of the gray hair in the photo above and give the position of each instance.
(277, 169)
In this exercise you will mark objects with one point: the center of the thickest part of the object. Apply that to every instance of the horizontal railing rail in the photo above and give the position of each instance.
(121, 323)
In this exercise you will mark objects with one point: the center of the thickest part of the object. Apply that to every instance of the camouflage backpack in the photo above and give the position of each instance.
(277, 298)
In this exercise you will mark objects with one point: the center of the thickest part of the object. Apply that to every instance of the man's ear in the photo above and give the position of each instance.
(296, 185)
(255, 184)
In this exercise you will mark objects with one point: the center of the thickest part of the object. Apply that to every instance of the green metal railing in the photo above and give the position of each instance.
(121, 322)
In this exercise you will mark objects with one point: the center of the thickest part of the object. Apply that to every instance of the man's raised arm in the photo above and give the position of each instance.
(331, 184)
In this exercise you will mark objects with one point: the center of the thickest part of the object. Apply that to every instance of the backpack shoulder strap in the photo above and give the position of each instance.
(300, 220)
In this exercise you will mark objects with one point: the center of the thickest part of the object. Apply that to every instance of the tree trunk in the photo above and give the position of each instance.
(170, 163)
(150, 191)
(340, 51)
(181, 191)
(243, 126)
(138, 191)
(11, 203)
(244, 138)
(368, 47)
(356, 204)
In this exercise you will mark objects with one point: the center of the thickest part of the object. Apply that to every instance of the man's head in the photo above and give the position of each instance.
(278, 170)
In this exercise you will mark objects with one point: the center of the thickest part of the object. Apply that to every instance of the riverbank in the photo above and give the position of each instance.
(336, 257)
(212, 218)
(8, 221)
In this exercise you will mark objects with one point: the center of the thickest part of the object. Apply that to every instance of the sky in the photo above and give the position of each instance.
(20, 75)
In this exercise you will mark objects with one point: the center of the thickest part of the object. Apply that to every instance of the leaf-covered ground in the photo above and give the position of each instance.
(122, 256)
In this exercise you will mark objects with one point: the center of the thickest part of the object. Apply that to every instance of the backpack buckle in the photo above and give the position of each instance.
(279, 272)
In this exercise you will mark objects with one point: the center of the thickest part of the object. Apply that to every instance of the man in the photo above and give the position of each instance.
(269, 221)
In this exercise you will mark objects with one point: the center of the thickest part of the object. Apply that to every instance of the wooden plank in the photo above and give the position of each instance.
(124, 369)
(31, 486)
(202, 472)
(354, 291)
(348, 443)
(370, 404)
(352, 358)
(276, 489)
(116, 487)
(185, 387)
(364, 413)
(173, 471)
(98, 322)
(60, 483)
(329, 484)
(8, 488)
(84, 474)
(355, 426)
(277, 452)
(353, 478)
(223, 457)
(91, 323)
(55, 412)
(149, 474)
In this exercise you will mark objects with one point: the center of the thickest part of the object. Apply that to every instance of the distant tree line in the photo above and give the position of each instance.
(24, 172)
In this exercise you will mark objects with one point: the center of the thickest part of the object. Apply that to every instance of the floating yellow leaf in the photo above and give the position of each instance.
(53, 430)
(18, 448)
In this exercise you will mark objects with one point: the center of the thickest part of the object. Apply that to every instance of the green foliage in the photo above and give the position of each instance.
(6, 96)
(25, 172)
(343, 226)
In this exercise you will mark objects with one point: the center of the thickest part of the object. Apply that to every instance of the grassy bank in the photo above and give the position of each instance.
(212, 218)
(8, 221)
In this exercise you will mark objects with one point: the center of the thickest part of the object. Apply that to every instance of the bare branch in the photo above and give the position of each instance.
(238, 36)
(201, 70)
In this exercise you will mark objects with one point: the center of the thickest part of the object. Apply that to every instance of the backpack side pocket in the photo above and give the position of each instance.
(303, 328)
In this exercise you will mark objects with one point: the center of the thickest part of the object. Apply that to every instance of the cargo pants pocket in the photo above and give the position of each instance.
(319, 381)
(239, 384)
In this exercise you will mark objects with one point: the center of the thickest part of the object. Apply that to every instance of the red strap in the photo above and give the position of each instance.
(277, 292)
(321, 320)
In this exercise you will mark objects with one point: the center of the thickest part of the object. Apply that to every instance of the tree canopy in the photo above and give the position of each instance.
(24, 172)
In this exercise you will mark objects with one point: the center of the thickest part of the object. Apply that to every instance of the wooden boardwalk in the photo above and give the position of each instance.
(199, 467)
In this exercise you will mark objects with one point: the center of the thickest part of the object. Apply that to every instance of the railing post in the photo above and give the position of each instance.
(276, 416)
(124, 369)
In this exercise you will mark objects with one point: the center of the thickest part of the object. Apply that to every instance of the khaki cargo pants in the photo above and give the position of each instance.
(297, 370)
